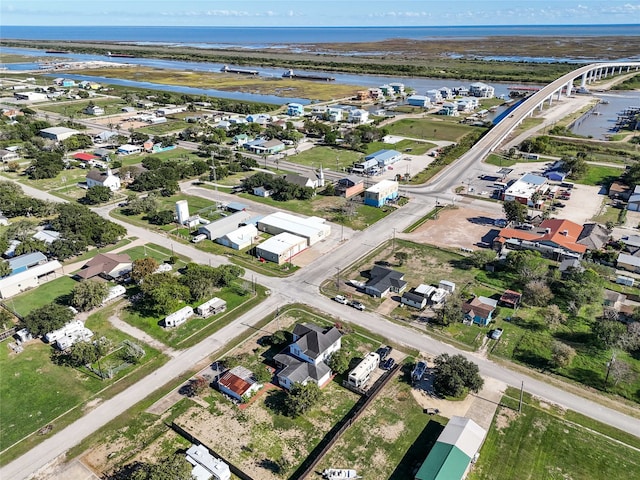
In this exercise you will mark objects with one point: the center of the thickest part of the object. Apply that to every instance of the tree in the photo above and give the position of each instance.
(631, 340)
(47, 318)
(174, 467)
(262, 374)
(339, 361)
(5, 269)
(562, 354)
(141, 267)
(527, 264)
(537, 293)
(451, 311)
(163, 217)
(455, 374)
(29, 245)
(621, 371)
(608, 332)
(514, 211)
(46, 165)
(97, 194)
(162, 293)
(279, 337)
(480, 258)
(88, 294)
(401, 257)
(553, 316)
(301, 398)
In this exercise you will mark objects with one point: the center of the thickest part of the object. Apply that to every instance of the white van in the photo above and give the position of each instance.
(199, 238)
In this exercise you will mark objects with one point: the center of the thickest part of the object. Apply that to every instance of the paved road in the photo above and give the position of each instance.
(303, 288)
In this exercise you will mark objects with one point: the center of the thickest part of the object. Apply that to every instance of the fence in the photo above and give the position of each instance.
(336, 432)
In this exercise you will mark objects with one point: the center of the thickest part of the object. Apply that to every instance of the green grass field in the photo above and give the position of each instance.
(44, 294)
(34, 391)
(403, 146)
(75, 108)
(329, 157)
(600, 175)
(544, 443)
(164, 128)
(430, 129)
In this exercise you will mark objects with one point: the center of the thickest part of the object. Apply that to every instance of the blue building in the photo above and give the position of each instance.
(384, 157)
(419, 101)
(295, 109)
(381, 193)
(480, 310)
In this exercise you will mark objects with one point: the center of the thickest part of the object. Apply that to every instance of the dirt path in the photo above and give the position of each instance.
(139, 334)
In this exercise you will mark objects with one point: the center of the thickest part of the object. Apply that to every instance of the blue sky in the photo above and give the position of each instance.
(317, 12)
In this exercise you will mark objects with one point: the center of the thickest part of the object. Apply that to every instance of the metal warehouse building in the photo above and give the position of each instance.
(455, 449)
(313, 229)
(281, 248)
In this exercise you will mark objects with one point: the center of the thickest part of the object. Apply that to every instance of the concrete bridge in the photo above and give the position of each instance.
(563, 85)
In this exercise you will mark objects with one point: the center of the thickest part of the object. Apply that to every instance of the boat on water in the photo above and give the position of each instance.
(339, 473)
(56, 51)
(322, 78)
(241, 71)
(120, 55)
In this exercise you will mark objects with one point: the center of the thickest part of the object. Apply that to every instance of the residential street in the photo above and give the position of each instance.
(302, 287)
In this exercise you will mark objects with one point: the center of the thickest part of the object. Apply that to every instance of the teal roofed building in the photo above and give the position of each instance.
(456, 447)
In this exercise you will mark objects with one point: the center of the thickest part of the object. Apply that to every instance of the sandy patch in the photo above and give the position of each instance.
(504, 418)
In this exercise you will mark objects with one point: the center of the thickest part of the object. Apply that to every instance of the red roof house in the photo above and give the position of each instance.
(85, 157)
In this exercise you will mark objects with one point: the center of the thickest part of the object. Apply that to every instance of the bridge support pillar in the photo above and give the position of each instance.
(569, 88)
(583, 80)
(550, 99)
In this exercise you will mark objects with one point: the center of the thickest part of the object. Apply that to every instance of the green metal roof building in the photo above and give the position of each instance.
(451, 456)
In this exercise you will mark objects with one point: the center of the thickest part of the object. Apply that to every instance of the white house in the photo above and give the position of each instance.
(128, 149)
(178, 318)
(357, 115)
(414, 300)
(305, 359)
(481, 90)
(94, 110)
(446, 93)
(434, 96)
(261, 192)
(97, 178)
(205, 465)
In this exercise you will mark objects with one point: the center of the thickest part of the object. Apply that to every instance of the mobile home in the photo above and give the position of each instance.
(359, 376)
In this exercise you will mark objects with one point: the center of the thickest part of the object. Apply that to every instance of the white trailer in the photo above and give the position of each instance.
(359, 376)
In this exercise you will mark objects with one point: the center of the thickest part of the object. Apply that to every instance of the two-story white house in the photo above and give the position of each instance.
(305, 360)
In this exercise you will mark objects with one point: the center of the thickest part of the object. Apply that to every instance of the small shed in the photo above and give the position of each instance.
(238, 383)
(511, 298)
(447, 285)
(413, 300)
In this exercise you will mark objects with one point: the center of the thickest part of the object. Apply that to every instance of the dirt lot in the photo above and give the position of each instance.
(462, 227)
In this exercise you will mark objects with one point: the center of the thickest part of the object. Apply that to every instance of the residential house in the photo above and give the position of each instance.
(350, 186)
(262, 192)
(46, 236)
(555, 238)
(481, 90)
(448, 109)
(103, 137)
(569, 264)
(26, 261)
(628, 262)
(383, 280)
(446, 93)
(594, 236)
(414, 300)
(98, 178)
(359, 116)
(632, 244)
(261, 118)
(106, 265)
(398, 88)
(557, 172)
(613, 300)
(527, 190)
(376, 93)
(85, 157)
(388, 91)
(295, 110)
(261, 146)
(93, 110)
(241, 139)
(619, 190)
(205, 465)
(238, 383)
(129, 149)
(434, 96)
(334, 114)
(306, 358)
(381, 193)
(30, 96)
(479, 310)
(419, 101)
(634, 200)
(511, 299)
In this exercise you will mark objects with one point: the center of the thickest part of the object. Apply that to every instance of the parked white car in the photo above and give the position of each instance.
(340, 299)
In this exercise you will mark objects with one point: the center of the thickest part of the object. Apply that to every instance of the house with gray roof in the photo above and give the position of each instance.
(383, 280)
(628, 262)
(593, 236)
(306, 358)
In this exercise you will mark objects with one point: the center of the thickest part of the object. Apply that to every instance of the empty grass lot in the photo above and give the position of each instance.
(600, 175)
(430, 129)
(44, 294)
(75, 108)
(329, 157)
(34, 391)
(543, 443)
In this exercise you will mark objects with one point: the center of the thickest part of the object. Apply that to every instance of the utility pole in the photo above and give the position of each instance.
(338, 279)
(393, 245)
(521, 393)
(609, 365)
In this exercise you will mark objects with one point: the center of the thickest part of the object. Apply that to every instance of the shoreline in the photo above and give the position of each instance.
(459, 59)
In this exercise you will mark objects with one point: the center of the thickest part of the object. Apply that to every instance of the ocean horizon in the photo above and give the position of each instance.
(248, 36)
